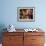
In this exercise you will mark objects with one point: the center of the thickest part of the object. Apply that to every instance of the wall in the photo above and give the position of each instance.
(9, 13)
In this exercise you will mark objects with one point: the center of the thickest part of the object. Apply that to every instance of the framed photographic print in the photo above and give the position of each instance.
(26, 14)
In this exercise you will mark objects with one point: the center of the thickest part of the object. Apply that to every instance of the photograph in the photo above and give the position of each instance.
(25, 14)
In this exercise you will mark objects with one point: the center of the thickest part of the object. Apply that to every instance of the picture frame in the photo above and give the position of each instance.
(26, 14)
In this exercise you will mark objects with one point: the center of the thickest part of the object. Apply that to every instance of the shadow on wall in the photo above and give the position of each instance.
(2, 27)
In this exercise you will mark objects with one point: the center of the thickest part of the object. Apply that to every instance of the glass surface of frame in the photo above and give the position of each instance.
(26, 14)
